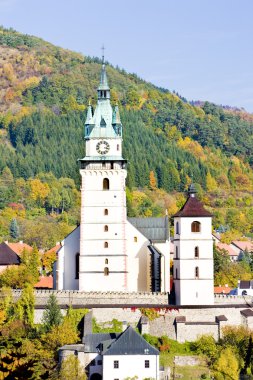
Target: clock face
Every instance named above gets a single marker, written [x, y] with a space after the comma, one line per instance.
[102, 147]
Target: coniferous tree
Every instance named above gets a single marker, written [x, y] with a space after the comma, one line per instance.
[14, 229]
[52, 315]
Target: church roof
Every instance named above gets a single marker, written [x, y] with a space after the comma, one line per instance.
[154, 229]
[8, 256]
[131, 343]
[193, 207]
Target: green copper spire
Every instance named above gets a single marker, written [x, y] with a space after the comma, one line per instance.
[89, 117]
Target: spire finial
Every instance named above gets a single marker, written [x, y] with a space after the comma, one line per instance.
[103, 53]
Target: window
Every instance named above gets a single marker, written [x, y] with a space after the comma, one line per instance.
[115, 364]
[196, 252]
[176, 252]
[106, 184]
[99, 362]
[106, 228]
[77, 265]
[197, 272]
[176, 272]
[93, 362]
[146, 363]
[106, 244]
[195, 227]
[135, 239]
[106, 271]
[106, 261]
[177, 228]
[106, 211]
[117, 146]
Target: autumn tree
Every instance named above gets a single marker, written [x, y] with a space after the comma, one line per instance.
[71, 368]
[152, 180]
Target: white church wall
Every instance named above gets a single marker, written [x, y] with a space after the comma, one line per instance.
[130, 366]
[138, 260]
[67, 261]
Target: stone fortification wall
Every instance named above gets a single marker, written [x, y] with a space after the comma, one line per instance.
[227, 299]
[66, 298]
[178, 322]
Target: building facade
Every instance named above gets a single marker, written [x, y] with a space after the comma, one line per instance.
[193, 253]
[107, 252]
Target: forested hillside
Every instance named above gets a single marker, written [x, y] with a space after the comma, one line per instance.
[168, 142]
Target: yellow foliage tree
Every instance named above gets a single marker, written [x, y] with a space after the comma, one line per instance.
[152, 180]
[39, 191]
[211, 184]
[71, 369]
[227, 366]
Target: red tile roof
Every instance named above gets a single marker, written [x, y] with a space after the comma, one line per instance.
[227, 248]
[222, 289]
[54, 249]
[19, 247]
[45, 283]
[244, 245]
[193, 207]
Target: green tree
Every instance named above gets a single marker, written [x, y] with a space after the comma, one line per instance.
[14, 229]
[52, 315]
[24, 308]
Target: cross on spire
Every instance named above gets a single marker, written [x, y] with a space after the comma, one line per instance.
[103, 53]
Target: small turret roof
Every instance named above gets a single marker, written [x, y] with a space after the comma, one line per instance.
[193, 207]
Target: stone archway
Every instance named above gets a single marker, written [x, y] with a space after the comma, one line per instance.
[96, 376]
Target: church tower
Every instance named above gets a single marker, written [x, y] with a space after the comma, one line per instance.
[103, 253]
[193, 253]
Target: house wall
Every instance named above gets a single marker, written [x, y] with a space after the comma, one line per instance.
[130, 366]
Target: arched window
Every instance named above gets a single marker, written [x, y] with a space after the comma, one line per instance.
[176, 252]
[197, 272]
[106, 261]
[177, 228]
[77, 266]
[106, 228]
[106, 245]
[106, 271]
[117, 146]
[195, 227]
[135, 239]
[196, 252]
[106, 211]
[106, 184]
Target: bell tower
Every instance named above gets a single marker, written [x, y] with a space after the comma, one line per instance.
[103, 254]
[193, 253]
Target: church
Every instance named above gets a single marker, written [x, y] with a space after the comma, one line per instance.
[108, 251]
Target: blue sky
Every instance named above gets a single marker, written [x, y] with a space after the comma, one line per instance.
[199, 48]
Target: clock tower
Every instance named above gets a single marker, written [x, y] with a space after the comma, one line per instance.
[103, 258]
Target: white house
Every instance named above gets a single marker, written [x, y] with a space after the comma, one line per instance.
[115, 356]
[193, 253]
[108, 251]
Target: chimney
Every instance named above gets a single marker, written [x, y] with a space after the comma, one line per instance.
[6, 242]
[20, 241]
